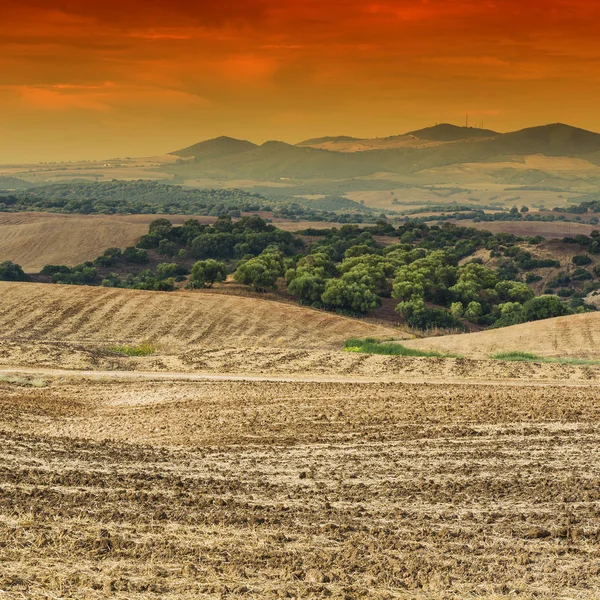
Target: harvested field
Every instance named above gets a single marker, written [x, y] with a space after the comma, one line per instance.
[37, 239]
[174, 321]
[554, 230]
[573, 336]
[148, 489]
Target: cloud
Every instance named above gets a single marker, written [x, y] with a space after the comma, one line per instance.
[102, 98]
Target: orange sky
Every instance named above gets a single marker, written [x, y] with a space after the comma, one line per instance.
[86, 79]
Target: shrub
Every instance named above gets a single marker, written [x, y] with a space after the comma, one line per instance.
[135, 255]
[54, 269]
[565, 292]
[109, 257]
[166, 270]
[581, 260]
[581, 274]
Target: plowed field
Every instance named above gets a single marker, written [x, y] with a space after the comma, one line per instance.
[150, 489]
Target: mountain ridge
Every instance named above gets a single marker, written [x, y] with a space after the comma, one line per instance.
[230, 158]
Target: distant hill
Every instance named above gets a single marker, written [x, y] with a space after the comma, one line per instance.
[557, 139]
[344, 157]
[13, 183]
[445, 132]
[221, 146]
[327, 140]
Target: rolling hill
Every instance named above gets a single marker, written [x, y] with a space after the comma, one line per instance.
[344, 157]
[446, 132]
[218, 147]
[37, 239]
[572, 336]
[180, 320]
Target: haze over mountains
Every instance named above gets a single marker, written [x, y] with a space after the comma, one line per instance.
[345, 157]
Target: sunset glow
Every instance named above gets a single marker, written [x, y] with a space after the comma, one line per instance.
[97, 79]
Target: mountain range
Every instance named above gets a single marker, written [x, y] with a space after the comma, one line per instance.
[345, 157]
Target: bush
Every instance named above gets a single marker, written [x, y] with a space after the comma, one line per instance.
[581, 274]
[10, 271]
[532, 278]
[109, 257]
[544, 307]
[206, 272]
[581, 260]
[565, 292]
[166, 270]
[135, 255]
[54, 269]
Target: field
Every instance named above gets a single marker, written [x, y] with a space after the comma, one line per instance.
[249, 457]
[555, 230]
[37, 239]
[34, 240]
[576, 336]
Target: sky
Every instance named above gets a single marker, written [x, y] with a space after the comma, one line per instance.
[97, 79]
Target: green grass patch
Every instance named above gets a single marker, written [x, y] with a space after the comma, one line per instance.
[517, 357]
[527, 357]
[372, 346]
[23, 381]
[144, 349]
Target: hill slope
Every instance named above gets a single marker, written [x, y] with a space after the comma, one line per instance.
[572, 336]
[438, 146]
[221, 146]
[37, 239]
[446, 132]
[183, 320]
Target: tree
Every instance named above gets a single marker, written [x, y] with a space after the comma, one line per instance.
[474, 312]
[206, 272]
[544, 307]
[257, 274]
[10, 271]
[167, 248]
[160, 227]
[457, 310]
[169, 270]
[350, 296]
[418, 315]
[309, 288]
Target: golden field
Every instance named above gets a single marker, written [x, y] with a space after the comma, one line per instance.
[249, 457]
